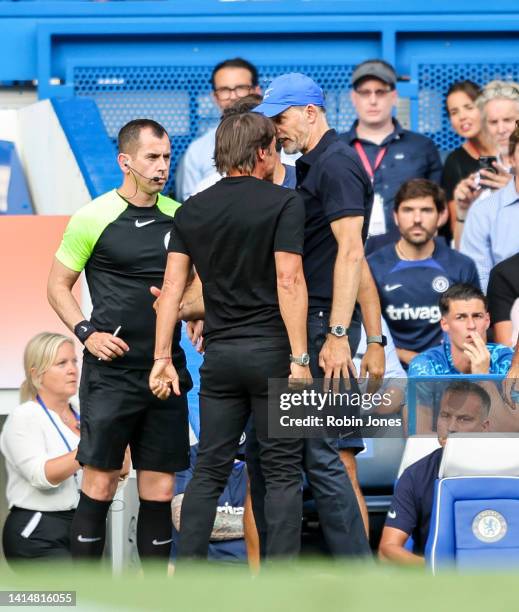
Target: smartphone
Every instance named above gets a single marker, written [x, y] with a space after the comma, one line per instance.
[486, 163]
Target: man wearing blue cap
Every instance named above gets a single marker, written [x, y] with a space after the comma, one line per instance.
[338, 197]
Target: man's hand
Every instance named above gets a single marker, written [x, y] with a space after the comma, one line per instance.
[163, 379]
[105, 346]
[194, 331]
[155, 292]
[300, 376]
[335, 359]
[478, 354]
[465, 192]
[373, 364]
[493, 180]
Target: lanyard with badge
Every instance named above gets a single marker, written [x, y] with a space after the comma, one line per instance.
[62, 435]
[377, 222]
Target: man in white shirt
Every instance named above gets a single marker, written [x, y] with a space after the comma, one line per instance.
[230, 80]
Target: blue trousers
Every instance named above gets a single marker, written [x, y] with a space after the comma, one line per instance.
[339, 513]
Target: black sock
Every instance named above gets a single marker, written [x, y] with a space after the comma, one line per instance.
[88, 530]
[154, 528]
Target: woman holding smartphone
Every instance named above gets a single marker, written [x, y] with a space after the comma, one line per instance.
[498, 103]
[466, 121]
[465, 118]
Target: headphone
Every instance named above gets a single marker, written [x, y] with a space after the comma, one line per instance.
[156, 179]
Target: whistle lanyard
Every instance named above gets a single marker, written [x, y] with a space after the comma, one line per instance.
[46, 410]
[365, 161]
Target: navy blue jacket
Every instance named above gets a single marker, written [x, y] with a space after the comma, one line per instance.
[409, 155]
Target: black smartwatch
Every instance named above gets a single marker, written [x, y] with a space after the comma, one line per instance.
[382, 340]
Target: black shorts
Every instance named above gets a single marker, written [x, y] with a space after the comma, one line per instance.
[118, 408]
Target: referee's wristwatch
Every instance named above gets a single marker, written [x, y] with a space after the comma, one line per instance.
[302, 360]
[382, 340]
[338, 330]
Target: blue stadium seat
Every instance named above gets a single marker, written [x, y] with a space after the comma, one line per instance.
[475, 524]
[475, 518]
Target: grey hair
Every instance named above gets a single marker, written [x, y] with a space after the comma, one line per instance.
[504, 90]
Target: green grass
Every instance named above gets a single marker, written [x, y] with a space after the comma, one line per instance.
[315, 586]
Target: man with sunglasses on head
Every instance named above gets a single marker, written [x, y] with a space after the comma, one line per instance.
[390, 154]
[230, 80]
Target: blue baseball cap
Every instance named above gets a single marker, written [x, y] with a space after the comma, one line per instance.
[293, 89]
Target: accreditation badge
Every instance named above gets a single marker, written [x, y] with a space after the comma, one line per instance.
[377, 221]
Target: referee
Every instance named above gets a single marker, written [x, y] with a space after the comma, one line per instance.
[120, 240]
[245, 237]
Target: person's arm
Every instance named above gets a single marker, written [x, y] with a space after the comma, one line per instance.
[335, 357]
[475, 241]
[503, 333]
[163, 377]
[60, 468]
[59, 293]
[192, 303]
[23, 444]
[495, 180]
[391, 548]
[406, 355]
[401, 521]
[373, 362]
[293, 305]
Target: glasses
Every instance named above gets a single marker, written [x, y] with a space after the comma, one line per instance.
[225, 93]
[378, 93]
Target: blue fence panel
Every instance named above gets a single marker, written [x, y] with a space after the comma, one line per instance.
[179, 97]
[154, 58]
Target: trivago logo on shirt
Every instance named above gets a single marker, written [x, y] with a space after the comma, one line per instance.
[413, 313]
[410, 291]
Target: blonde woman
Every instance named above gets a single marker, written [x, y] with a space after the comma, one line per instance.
[39, 442]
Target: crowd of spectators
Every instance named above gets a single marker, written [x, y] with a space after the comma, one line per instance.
[443, 252]
[442, 249]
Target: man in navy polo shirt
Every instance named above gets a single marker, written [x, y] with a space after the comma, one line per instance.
[390, 154]
[413, 273]
[338, 196]
[464, 408]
